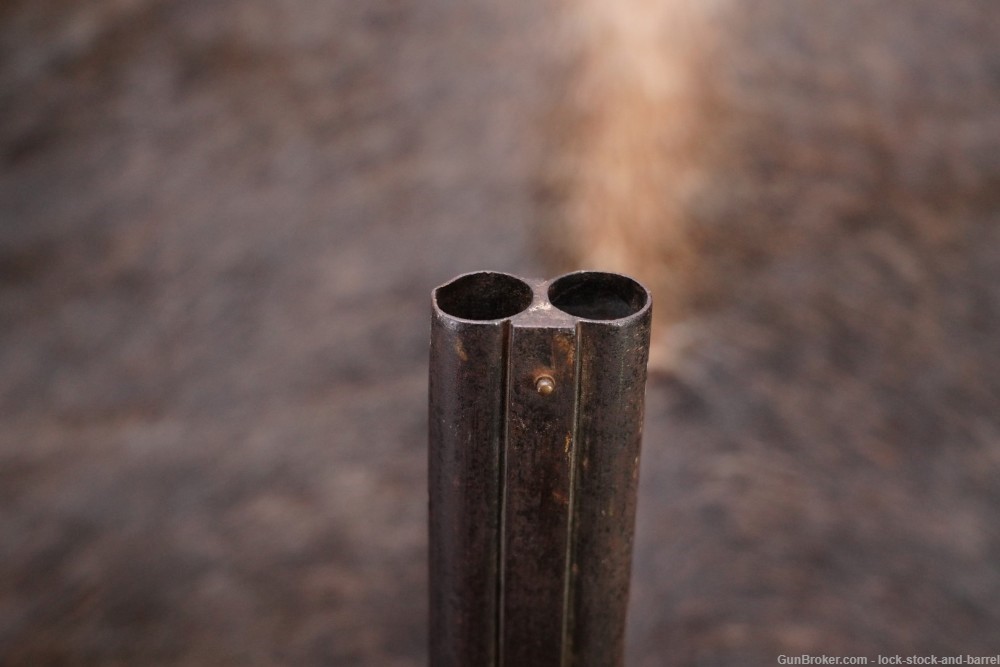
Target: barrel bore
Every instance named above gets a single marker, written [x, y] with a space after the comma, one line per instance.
[486, 295]
[596, 295]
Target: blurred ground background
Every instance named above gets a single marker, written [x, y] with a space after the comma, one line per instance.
[219, 226]
[221, 223]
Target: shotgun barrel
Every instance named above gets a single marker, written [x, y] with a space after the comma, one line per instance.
[536, 407]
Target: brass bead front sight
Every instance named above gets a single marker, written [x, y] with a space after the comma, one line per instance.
[545, 385]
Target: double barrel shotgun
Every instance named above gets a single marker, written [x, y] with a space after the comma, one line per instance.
[536, 407]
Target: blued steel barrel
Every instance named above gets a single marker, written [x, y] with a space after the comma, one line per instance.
[536, 407]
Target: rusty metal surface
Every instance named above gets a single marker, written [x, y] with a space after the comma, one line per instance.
[536, 399]
[464, 470]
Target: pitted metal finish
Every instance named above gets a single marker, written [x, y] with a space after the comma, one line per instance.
[536, 399]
